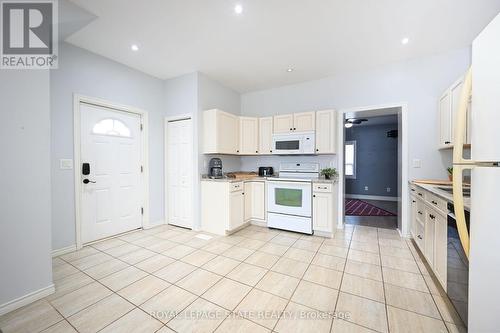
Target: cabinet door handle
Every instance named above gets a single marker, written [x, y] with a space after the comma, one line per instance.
[291, 129]
[419, 237]
[257, 151]
[413, 190]
[242, 193]
[420, 212]
[317, 149]
[314, 195]
[420, 194]
[270, 151]
[434, 202]
[432, 217]
[413, 201]
[447, 142]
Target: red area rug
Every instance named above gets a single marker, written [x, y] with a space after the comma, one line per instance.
[355, 207]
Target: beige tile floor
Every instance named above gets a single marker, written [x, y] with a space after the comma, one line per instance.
[257, 280]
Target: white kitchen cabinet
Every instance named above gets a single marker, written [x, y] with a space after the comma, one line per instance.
[323, 208]
[430, 226]
[237, 209]
[222, 206]
[283, 123]
[326, 132]
[445, 120]
[304, 121]
[265, 135]
[440, 248]
[220, 132]
[249, 136]
[413, 216]
[448, 106]
[296, 122]
[255, 201]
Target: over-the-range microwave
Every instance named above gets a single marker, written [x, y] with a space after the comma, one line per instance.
[302, 143]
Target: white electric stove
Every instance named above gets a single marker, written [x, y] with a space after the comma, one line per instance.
[289, 197]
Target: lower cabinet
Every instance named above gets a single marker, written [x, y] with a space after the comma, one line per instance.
[222, 206]
[323, 207]
[429, 226]
[255, 201]
[441, 249]
[429, 229]
[237, 209]
[226, 206]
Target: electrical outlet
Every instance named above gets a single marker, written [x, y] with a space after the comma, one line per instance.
[366, 188]
[388, 189]
[416, 163]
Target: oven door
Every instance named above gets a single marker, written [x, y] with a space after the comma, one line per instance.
[287, 144]
[289, 197]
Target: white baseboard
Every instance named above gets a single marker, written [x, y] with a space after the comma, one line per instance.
[371, 197]
[323, 234]
[26, 299]
[64, 250]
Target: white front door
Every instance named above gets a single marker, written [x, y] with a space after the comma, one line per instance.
[112, 191]
[180, 172]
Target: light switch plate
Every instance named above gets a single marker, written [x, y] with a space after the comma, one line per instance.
[65, 164]
[416, 163]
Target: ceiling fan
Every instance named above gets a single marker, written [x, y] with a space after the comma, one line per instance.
[354, 121]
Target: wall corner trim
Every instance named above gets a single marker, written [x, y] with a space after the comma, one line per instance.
[26, 299]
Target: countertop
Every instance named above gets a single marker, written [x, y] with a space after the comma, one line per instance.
[226, 179]
[434, 189]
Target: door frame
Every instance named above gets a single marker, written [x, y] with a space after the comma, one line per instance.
[77, 100]
[403, 187]
[194, 158]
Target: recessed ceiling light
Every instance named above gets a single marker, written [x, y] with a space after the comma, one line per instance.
[134, 47]
[405, 41]
[289, 70]
[348, 125]
[238, 9]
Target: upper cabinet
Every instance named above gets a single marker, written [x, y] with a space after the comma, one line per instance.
[266, 135]
[296, 122]
[249, 136]
[448, 106]
[226, 133]
[326, 134]
[220, 132]
[283, 123]
[304, 121]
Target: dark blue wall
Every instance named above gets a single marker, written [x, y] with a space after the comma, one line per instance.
[376, 158]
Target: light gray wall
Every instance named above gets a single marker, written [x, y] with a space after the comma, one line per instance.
[376, 160]
[25, 237]
[82, 72]
[418, 82]
[213, 95]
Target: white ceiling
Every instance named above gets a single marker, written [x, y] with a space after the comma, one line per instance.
[252, 51]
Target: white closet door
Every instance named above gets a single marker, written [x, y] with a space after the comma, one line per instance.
[180, 173]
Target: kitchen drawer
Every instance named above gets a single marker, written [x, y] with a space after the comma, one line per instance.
[437, 203]
[421, 193]
[236, 187]
[322, 188]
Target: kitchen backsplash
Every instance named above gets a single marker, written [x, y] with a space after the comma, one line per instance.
[252, 163]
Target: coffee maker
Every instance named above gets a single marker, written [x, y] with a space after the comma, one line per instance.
[215, 168]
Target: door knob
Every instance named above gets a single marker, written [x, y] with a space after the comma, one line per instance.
[86, 181]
